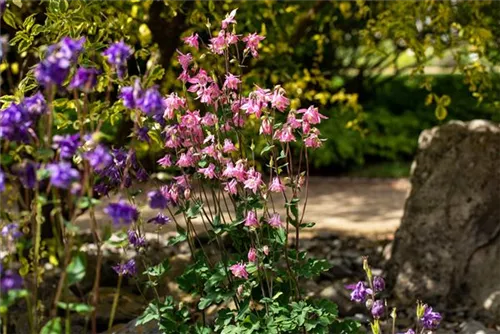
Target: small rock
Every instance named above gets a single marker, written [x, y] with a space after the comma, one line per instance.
[475, 327]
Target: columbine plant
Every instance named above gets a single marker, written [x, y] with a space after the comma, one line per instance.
[218, 182]
[369, 293]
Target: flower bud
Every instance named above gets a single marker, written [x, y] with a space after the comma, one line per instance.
[265, 249]
[378, 284]
[369, 303]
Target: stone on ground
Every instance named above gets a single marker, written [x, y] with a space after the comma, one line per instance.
[447, 248]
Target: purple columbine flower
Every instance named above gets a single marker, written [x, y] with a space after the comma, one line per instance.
[378, 284]
[62, 175]
[10, 280]
[409, 331]
[27, 174]
[101, 189]
[141, 174]
[67, 145]
[2, 181]
[11, 231]
[430, 320]
[378, 309]
[132, 95]
[122, 213]
[135, 239]
[54, 68]
[3, 6]
[35, 105]
[99, 158]
[360, 292]
[157, 200]
[117, 55]
[142, 134]
[152, 102]
[126, 269]
[160, 219]
[15, 123]
[85, 79]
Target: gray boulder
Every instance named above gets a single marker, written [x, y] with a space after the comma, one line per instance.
[447, 249]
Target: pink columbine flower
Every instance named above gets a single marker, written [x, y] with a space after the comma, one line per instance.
[192, 40]
[182, 181]
[252, 106]
[229, 170]
[166, 161]
[218, 44]
[239, 172]
[172, 103]
[285, 135]
[184, 60]
[311, 115]
[208, 172]
[275, 220]
[252, 255]
[266, 126]
[265, 250]
[231, 38]
[210, 150]
[262, 95]
[253, 181]
[186, 160]
[239, 270]
[276, 186]
[173, 193]
[313, 140]
[229, 19]
[252, 45]
[251, 219]
[279, 101]
[231, 187]
[306, 127]
[231, 82]
[209, 119]
[228, 146]
[184, 76]
[238, 120]
[191, 119]
[209, 139]
[293, 121]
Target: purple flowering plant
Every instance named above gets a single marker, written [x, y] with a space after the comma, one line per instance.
[369, 293]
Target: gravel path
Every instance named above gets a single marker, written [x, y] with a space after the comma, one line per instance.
[356, 207]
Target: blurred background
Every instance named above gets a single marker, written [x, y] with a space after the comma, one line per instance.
[381, 71]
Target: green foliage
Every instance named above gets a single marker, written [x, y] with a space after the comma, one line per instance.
[395, 113]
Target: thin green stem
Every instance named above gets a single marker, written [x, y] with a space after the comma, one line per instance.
[115, 302]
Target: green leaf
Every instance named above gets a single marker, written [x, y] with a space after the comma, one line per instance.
[63, 5]
[76, 268]
[266, 149]
[307, 225]
[79, 308]
[158, 270]
[9, 18]
[281, 236]
[445, 100]
[54, 326]
[180, 237]
[194, 210]
[441, 112]
[204, 303]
